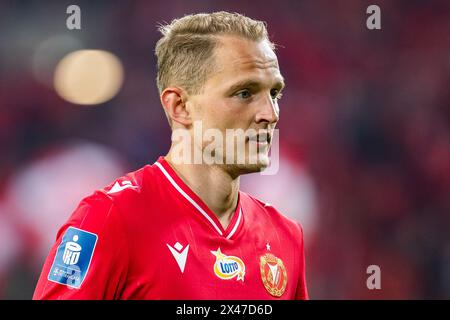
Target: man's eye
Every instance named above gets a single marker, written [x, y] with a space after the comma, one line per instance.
[244, 94]
[275, 94]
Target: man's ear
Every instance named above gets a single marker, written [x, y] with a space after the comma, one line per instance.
[173, 100]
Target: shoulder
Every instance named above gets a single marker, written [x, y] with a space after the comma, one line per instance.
[105, 205]
[276, 217]
[133, 188]
[132, 183]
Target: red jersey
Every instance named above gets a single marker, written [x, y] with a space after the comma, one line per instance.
[149, 236]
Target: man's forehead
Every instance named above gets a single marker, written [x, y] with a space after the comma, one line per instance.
[254, 63]
[236, 53]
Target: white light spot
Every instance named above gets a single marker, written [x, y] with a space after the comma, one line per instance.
[88, 77]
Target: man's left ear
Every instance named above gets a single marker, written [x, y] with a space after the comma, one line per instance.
[173, 100]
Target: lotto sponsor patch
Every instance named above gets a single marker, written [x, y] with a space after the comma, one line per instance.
[73, 257]
[227, 267]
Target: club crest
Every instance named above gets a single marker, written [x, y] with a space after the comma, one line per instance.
[273, 274]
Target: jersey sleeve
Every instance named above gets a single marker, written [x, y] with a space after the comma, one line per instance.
[89, 259]
[302, 290]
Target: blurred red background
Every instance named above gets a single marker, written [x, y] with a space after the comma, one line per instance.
[364, 133]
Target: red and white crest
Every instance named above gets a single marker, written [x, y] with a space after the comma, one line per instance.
[273, 274]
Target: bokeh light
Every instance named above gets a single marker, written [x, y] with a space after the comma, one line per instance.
[88, 77]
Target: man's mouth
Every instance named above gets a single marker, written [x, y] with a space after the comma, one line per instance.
[260, 138]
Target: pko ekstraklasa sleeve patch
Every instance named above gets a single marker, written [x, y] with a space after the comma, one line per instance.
[73, 257]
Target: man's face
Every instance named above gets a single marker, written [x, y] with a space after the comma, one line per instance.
[241, 95]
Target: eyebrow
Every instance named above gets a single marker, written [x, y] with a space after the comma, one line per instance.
[249, 83]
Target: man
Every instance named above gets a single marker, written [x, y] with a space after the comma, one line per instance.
[180, 228]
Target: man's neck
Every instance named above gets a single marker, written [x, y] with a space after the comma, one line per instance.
[218, 190]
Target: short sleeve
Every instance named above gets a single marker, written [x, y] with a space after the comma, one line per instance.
[89, 259]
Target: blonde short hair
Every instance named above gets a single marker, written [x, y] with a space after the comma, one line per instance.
[185, 52]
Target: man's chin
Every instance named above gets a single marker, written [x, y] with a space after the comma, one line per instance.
[252, 168]
[246, 168]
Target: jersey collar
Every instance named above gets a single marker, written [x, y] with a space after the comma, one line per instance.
[186, 192]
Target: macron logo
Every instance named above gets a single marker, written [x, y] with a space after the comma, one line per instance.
[117, 187]
[180, 256]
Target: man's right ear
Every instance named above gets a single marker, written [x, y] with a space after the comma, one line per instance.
[174, 103]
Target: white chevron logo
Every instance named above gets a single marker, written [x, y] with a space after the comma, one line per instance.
[180, 256]
[117, 187]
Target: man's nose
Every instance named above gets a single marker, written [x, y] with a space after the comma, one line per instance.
[268, 111]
